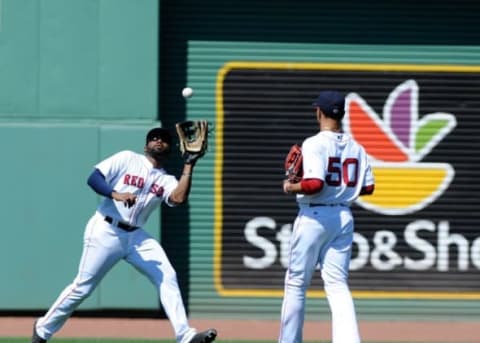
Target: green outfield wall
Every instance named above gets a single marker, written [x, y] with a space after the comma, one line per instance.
[78, 81]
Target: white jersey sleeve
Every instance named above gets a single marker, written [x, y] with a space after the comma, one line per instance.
[170, 184]
[369, 178]
[314, 159]
[113, 166]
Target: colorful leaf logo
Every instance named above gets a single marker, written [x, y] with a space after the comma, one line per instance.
[396, 144]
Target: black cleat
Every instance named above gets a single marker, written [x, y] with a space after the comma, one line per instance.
[35, 337]
[206, 336]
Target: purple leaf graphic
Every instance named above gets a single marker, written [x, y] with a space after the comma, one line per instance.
[401, 116]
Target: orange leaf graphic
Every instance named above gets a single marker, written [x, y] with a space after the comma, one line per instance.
[376, 142]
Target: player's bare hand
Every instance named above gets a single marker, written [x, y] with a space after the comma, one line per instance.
[128, 199]
[286, 187]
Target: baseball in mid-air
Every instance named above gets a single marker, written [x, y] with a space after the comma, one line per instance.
[187, 92]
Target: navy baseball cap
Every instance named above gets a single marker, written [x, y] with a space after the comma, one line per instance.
[332, 103]
[159, 132]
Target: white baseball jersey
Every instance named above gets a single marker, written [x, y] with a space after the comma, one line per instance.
[323, 233]
[128, 171]
[338, 160]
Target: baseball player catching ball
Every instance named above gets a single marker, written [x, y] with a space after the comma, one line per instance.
[133, 185]
[335, 172]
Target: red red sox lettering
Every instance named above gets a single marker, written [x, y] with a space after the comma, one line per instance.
[139, 182]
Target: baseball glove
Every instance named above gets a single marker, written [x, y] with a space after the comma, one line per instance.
[294, 164]
[193, 137]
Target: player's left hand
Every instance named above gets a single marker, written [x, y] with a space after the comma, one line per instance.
[293, 164]
[193, 139]
[287, 187]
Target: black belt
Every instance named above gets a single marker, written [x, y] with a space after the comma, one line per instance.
[121, 225]
[315, 205]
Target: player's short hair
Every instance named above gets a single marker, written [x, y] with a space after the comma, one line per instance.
[159, 132]
[331, 103]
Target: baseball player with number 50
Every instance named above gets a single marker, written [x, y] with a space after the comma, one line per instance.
[327, 174]
[133, 186]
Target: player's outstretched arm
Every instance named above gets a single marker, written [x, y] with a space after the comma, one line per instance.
[181, 192]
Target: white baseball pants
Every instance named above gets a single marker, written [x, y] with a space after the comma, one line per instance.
[104, 246]
[321, 236]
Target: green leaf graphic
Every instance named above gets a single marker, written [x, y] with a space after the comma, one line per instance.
[428, 131]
